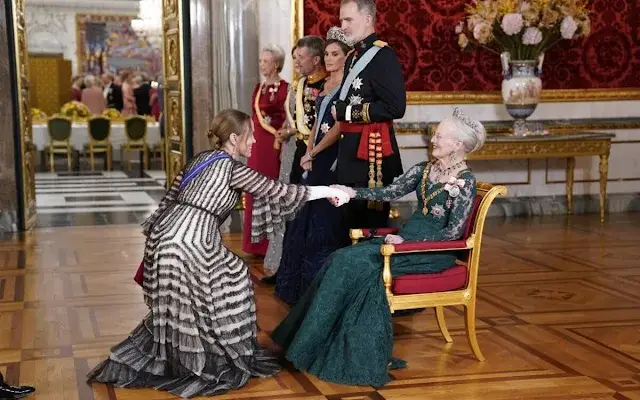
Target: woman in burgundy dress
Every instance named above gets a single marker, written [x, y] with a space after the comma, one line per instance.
[268, 116]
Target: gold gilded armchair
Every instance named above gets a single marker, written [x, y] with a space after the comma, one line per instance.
[454, 286]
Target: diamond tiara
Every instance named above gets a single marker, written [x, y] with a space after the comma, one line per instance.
[336, 33]
[470, 122]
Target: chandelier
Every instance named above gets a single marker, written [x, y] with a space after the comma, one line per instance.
[148, 25]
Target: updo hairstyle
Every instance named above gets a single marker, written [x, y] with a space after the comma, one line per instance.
[224, 124]
[470, 131]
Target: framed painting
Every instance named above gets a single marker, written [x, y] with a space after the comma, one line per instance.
[108, 43]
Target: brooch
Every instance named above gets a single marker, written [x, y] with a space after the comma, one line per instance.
[453, 186]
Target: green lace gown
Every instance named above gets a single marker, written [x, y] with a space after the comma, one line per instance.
[341, 330]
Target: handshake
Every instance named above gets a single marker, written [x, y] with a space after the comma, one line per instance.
[337, 195]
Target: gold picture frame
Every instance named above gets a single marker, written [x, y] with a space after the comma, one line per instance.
[493, 97]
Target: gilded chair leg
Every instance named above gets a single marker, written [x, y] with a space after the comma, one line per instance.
[442, 324]
[92, 160]
[51, 160]
[145, 160]
[69, 160]
[108, 158]
[470, 316]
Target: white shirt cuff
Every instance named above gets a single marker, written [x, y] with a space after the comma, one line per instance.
[347, 114]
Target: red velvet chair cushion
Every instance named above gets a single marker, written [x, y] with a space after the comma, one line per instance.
[450, 279]
[417, 246]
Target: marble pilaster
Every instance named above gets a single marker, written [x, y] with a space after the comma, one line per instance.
[224, 60]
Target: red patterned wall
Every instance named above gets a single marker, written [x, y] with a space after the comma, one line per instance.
[422, 33]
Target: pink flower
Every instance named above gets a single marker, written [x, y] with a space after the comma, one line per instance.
[532, 36]
[511, 23]
[568, 27]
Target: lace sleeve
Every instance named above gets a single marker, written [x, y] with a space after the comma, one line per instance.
[404, 184]
[274, 202]
[168, 198]
[458, 216]
[461, 210]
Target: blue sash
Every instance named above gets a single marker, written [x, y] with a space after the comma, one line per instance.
[323, 109]
[196, 170]
[361, 64]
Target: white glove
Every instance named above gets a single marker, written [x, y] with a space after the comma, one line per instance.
[325, 192]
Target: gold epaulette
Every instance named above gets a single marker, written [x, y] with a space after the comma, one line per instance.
[380, 43]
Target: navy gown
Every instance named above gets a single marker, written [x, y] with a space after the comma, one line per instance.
[318, 229]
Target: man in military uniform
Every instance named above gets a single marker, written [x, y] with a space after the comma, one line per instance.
[372, 95]
[310, 64]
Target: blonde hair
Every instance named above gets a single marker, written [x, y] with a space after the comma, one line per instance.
[224, 124]
[89, 81]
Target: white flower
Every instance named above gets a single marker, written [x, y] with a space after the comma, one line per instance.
[512, 23]
[568, 27]
[483, 33]
[459, 27]
[532, 36]
[453, 186]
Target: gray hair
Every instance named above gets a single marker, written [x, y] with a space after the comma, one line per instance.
[469, 130]
[278, 55]
[364, 6]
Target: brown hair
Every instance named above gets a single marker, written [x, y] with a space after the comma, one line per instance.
[224, 124]
[343, 46]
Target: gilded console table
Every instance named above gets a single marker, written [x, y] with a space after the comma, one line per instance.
[555, 145]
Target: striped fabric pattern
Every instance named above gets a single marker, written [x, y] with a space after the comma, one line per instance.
[200, 335]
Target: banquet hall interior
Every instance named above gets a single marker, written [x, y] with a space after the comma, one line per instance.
[103, 102]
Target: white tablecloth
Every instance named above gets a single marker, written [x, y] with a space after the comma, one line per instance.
[80, 135]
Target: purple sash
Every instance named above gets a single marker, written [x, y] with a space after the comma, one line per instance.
[195, 171]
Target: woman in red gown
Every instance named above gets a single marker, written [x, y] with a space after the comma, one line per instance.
[268, 116]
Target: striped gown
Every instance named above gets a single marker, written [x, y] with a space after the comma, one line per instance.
[200, 335]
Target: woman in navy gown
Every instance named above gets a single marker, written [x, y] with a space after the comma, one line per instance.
[317, 231]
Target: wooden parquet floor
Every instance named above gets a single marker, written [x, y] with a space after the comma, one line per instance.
[558, 317]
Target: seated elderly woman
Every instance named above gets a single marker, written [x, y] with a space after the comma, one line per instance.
[341, 330]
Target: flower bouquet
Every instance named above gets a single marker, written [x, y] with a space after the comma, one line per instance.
[75, 110]
[113, 114]
[521, 31]
[38, 116]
